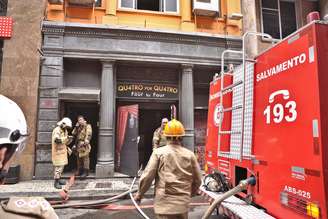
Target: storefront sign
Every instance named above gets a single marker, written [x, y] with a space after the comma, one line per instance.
[147, 91]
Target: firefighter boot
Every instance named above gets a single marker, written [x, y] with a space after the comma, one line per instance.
[85, 173]
[62, 182]
[79, 172]
[57, 185]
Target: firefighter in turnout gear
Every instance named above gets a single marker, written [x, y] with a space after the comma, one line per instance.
[13, 135]
[159, 139]
[60, 141]
[177, 175]
[83, 135]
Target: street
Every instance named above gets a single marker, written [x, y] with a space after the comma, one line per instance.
[125, 209]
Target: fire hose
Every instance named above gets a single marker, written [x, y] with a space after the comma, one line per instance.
[134, 202]
[108, 200]
[240, 187]
[95, 203]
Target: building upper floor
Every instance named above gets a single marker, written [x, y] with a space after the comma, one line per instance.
[210, 16]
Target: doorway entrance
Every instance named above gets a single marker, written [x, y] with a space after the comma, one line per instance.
[136, 124]
[149, 121]
[90, 111]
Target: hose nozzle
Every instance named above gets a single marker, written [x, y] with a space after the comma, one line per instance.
[249, 181]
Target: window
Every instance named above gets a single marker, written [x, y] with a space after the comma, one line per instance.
[278, 17]
[148, 5]
[98, 3]
[128, 3]
[152, 5]
[3, 7]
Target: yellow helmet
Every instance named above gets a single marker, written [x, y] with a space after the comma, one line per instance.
[174, 128]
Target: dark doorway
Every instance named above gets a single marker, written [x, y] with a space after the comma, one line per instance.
[149, 121]
[91, 113]
[126, 150]
[149, 118]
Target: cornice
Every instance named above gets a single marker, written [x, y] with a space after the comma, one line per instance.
[125, 33]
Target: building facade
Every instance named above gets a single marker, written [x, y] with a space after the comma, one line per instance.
[20, 63]
[279, 18]
[123, 64]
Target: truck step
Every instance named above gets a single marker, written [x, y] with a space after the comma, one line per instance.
[234, 207]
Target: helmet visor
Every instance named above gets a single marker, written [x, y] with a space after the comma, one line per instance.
[8, 136]
[4, 135]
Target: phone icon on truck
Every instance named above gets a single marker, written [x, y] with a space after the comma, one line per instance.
[284, 93]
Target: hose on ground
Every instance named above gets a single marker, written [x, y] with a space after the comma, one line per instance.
[97, 202]
[240, 187]
[105, 201]
[135, 203]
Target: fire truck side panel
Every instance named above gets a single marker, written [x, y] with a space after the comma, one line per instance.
[286, 123]
[213, 123]
[290, 127]
[322, 49]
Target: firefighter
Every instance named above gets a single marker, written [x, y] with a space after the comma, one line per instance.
[83, 134]
[176, 172]
[60, 141]
[13, 135]
[159, 140]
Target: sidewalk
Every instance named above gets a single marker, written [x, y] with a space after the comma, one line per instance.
[82, 189]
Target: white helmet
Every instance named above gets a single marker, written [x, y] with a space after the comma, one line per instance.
[13, 133]
[13, 127]
[67, 121]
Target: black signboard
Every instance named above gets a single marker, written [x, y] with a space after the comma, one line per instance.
[147, 90]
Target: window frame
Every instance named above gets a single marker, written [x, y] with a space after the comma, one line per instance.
[279, 16]
[162, 7]
[174, 12]
[120, 5]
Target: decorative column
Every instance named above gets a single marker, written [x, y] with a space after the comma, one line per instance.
[187, 105]
[111, 7]
[105, 161]
[186, 12]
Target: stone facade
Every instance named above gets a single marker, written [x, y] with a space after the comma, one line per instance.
[111, 45]
[251, 11]
[20, 69]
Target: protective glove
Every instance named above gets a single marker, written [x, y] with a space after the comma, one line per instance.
[137, 197]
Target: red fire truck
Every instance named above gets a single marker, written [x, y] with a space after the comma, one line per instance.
[268, 118]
